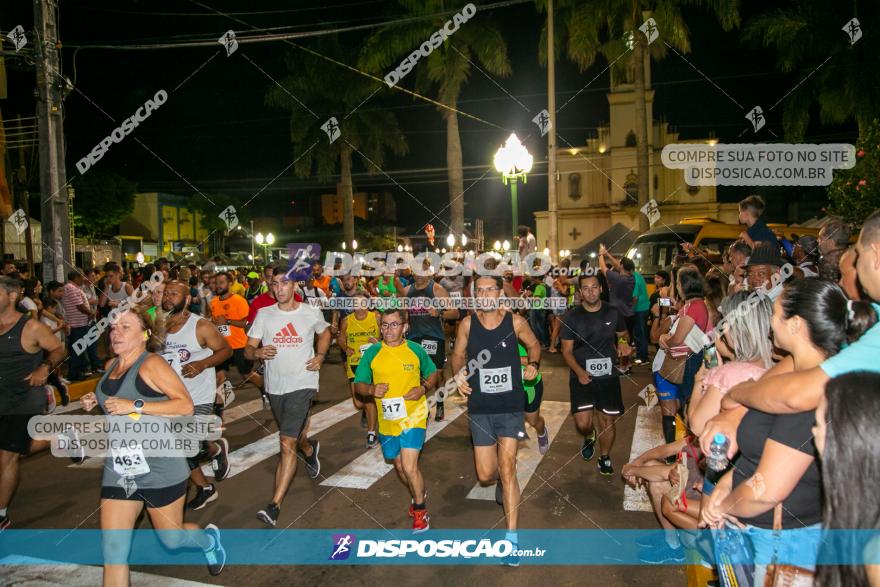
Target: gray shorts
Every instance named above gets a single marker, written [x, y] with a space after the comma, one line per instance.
[291, 410]
[486, 428]
[200, 410]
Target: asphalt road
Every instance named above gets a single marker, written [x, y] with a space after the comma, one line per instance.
[563, 493]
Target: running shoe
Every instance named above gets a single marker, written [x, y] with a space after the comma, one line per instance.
[499, 493]
[662, 554]
[512, 559]
[440, 414]
[266, 405]
[269, 515]
[421, 521]
[544, 442]
[313, 465]
[220, 461]
[372, 440]
[604, 464]
[50, 399]
[228, 396]
[216, 555]
[62, 391]
[4, 522]
[589, 447]
[204, 496]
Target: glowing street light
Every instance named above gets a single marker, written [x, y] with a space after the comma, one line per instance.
[343, 245]
[464, 240]
[354, 245]
[505, 245]
[450, 240]
[497, 245]
[259, 238]
[513, 162]
[399, 248]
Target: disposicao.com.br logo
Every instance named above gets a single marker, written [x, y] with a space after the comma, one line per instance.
[344, 545]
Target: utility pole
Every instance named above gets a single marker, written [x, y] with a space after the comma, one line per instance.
[20, 185]
[552, 219]
[56, 234]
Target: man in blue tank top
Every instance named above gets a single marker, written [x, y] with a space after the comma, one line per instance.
[495, 392]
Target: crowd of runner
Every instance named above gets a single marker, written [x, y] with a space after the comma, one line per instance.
[744, 353]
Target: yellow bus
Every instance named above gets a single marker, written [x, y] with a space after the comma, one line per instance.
[655, 249]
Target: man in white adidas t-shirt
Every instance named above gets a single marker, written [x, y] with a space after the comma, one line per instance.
[288, 331]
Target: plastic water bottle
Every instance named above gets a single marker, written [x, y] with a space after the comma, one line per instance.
[716, 462]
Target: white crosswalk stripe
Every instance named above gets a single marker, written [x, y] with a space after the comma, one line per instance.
[648, 433]
[368, 468]
[256, 452]
[528, 457]
[34, 572]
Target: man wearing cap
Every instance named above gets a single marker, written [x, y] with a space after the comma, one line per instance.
[763, 264]
[805, 254]
[254, 286]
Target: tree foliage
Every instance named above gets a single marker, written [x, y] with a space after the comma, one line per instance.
[855, 193]
[102, 199]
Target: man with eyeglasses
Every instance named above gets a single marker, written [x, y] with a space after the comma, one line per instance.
[495, 391]
[289, 332]
[594, 338]
[398, 373]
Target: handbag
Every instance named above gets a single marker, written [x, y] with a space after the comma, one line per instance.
[672, 369]
[786, 575]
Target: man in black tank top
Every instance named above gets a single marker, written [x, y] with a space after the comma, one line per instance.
[23, 374]
[495, 392]
[593, 337]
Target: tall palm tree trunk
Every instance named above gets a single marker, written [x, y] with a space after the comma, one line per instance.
[347, 194]
[641, 130]
[456, 174]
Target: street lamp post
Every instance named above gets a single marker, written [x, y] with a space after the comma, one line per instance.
[253, 251]
[513, 162]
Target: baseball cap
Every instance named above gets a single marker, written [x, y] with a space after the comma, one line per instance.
[253, 275]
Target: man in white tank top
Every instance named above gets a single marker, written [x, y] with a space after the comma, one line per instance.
[193, 347]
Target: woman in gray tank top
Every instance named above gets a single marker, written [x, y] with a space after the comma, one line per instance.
[140, 387]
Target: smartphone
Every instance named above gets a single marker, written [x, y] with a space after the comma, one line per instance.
[710, 357]
[665, 302]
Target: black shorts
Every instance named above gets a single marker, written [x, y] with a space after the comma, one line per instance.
[487, 428]
[152, 498]
[14, 435]
[243, 365]
[535, 404]
[600, 394]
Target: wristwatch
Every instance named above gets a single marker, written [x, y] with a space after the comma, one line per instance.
[139, 406]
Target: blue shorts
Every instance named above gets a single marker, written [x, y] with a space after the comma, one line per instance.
[665, 389]
[413, 438]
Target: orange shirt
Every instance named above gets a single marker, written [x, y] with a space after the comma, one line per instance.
[234, 307]
[323, 282]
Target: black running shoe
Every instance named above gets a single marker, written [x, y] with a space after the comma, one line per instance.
[589, 447]
[220, 461]
[313, 465]
[269, 515]
[204, 496]
[216, 556]
[372, 440]
[440, 414]
[604, 464]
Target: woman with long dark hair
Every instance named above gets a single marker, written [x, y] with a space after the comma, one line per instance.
[777, 466]
[847, 438]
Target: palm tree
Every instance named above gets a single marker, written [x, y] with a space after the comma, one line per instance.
[837, 74]
[610, 28]
[313, 92]
[476, 43]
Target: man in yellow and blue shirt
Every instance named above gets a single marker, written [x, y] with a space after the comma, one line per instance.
[398, 373]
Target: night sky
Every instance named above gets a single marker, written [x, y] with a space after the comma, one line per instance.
[218, 136]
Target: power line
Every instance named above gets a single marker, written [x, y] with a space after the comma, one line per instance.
[252, 13]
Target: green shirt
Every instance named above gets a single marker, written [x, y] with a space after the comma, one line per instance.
[528, 384]
[640, 291]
